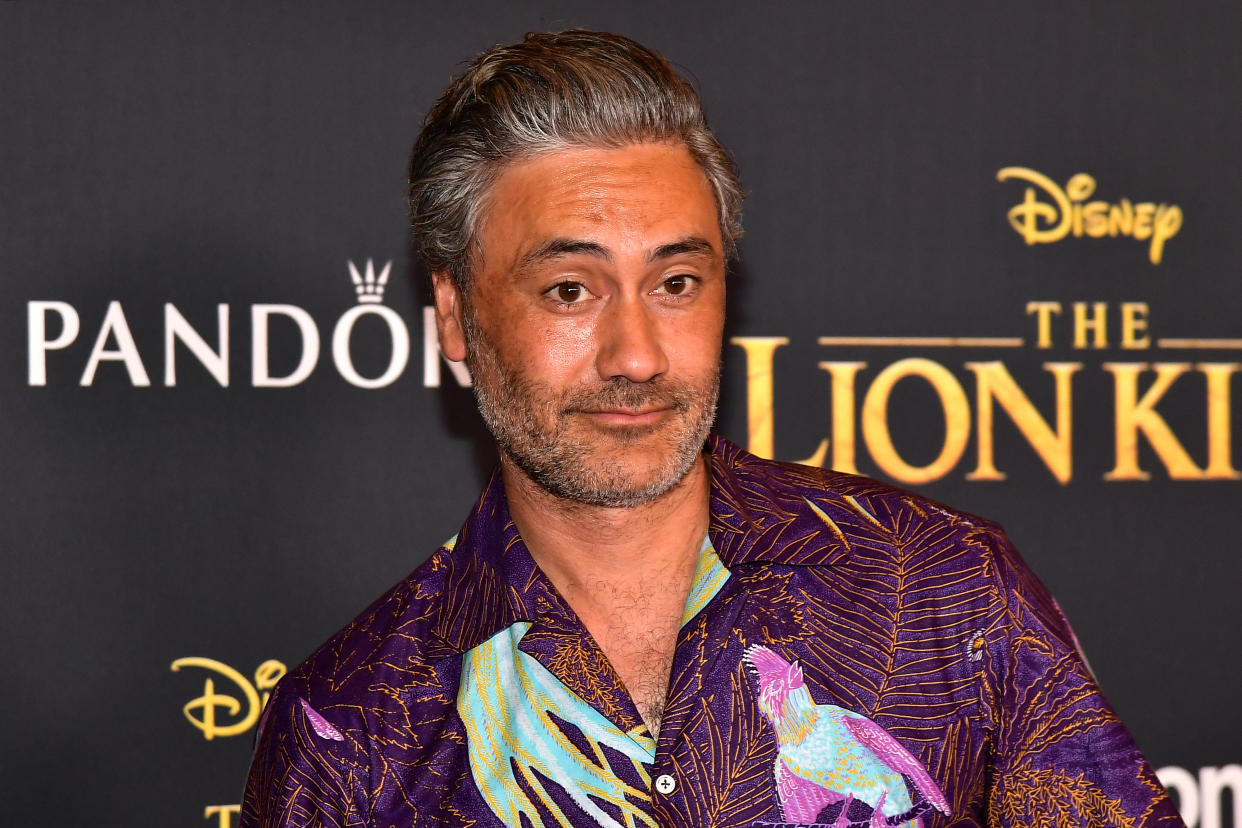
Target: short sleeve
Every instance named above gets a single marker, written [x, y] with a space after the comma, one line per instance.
[304, 772]
[1061, 756]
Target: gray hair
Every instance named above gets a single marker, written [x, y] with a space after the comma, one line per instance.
[551, 91]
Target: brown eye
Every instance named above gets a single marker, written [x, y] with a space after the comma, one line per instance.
[569, 292]
[676, 285]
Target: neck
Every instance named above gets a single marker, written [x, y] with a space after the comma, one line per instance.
[626, 572]
[588, 551]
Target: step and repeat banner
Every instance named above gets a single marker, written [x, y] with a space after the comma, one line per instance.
[991, 253]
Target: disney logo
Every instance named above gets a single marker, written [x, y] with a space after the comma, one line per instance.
[244, 711]
[1067, 211]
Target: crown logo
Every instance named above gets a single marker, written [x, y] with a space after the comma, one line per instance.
[368, 286]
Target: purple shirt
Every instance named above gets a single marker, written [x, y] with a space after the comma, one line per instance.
[851, 654]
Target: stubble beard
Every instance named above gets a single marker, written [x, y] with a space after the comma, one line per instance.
[543, 431]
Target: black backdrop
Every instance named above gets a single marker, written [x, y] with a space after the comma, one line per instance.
[225, 158]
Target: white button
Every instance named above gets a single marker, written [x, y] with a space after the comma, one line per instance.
[665, 784]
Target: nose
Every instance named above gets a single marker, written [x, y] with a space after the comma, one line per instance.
[628, 340]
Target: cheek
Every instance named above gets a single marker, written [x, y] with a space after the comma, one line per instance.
[522, 340]
[694, 344]
[557, 352]
[561, 354]
[567, 344]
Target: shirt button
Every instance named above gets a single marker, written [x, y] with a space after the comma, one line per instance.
[665, 784]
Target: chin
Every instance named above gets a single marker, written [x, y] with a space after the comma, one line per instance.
[614, 483]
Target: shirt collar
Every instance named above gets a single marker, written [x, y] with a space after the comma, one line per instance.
[763, 511]
[759, 514]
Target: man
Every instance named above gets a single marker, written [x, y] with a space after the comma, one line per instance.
[641, 624]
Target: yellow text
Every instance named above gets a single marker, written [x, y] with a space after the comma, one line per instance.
[223, 813]
[1067, 211]
[1090, 324]
[242, 713]
[1137, 389]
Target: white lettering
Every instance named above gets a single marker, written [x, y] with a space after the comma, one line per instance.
[1182, 782]
[1212, 783]
[1204, 797]
[260, 371]
[177, 328]
[126, 351]
[432, 355]
[400, 346]
[38, 343]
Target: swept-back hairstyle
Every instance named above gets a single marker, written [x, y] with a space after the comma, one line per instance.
[550, 91]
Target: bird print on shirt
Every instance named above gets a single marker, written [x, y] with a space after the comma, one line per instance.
[510, 704]
[833, 764]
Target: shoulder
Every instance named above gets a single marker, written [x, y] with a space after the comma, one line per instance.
[887, 534]
[780, 480]
[853, 514]
[366, 676]
[392, 643]
[376, 697]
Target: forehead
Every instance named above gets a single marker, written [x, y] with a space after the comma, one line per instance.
[627, 199]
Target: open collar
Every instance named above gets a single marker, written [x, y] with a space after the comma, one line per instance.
[760, 514]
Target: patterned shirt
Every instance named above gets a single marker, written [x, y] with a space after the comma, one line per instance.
[850, 655]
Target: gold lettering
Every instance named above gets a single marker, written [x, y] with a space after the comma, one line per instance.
[1121, 218]
[1079, 188]
[759, 426]
[817, 459]
[843, 374]
[210, 701]
[1095, 216]
[1025, 217]
[266, 676]
[1219, 414]
[1097, 323]
[223, 813]
[1133, 321]
[995, 382]
[1168, 222]
[875, 420]
[1134, 415]
[1043, 313]
[759, 415]
[1068, 211]
[1143, 215]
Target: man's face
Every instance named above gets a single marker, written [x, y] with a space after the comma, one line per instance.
[594, 319]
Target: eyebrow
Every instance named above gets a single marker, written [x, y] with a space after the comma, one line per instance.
[557, 247]
[691, 245]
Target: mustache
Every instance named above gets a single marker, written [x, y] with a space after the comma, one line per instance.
[621, 393]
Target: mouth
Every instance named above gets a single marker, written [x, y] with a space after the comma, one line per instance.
[626, 416]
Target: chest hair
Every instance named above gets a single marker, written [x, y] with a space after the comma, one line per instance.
[639, 638]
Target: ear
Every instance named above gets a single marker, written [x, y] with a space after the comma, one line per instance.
[450, 323]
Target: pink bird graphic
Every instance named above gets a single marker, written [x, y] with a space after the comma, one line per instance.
[836, 767]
